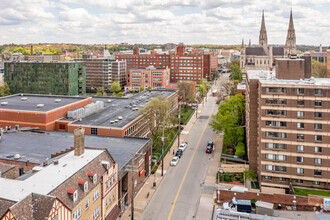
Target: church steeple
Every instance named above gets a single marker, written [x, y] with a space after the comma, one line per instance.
[242, 43]
[290, 44]
[263, 42]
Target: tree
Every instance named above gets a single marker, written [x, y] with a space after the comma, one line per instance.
[251, 175]
[120, 94]
[101, 92]
[157, 110]
[115, 87]
[319, 70]
[234, 62]
[4, 90]
[149, 88]
[187, 91]
[141, 89]
[236, 72]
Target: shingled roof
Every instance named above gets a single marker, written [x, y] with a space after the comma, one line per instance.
[278, 51]
[5, 205]
[257, 51]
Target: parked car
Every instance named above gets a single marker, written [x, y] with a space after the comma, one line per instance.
[183, 146]
[209, 147]
[174, 161]
[179, 153]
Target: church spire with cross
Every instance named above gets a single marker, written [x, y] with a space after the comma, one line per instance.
[263, 42]
[290, 44]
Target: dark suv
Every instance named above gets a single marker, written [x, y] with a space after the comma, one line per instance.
[179, 153]
[209, 147]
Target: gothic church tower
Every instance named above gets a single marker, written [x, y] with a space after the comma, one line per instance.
[290, 44]
[263, 42]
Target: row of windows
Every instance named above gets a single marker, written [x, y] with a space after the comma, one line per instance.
[284, 179]
[111, 198]
[299, 91]
[317, 103]
[269, 134]
[300, 125]
[283, 169]
[300, 148]
[300, 159]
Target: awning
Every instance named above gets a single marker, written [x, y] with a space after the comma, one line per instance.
[113, 215]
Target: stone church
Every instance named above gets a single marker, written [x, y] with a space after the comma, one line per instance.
[263, 57]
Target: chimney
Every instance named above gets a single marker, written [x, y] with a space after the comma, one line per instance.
[79, 141]
[136, 51]
[31, 49]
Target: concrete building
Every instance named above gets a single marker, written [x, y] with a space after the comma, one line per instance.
[78, 178]
[118, 71]
[287, 119]
[149, 77]
[114, 179]
[98, 115]
[264, 55]
[60, 78]
[183, 65]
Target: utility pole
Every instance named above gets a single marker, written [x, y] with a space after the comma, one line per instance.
[179, 125]
[163, 151]
[132, 196]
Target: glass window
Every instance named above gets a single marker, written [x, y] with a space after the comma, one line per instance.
[94, 131]
[275, 146]
[268, 177]
[300, 137]
[318, 149]
[300, 125]
[299, 181]
[300, 114]
[316, 182]
[318, 103]
[318, 114]
[318, 137]
[317, 161]
[300, 102]
[300, 147]
[300, 170]
[317, 126]
[281, 179]
[300, 91]
[300, 159]
[318, 91]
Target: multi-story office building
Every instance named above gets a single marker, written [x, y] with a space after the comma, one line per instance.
[287, 124]
[183, 65]
[101, 71]
[149, 77]
[60, 78]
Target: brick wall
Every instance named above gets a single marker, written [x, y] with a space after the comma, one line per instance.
[15, 173]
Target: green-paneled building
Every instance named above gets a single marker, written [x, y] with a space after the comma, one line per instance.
[58, 78]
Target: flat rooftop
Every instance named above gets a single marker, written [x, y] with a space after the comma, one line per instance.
[269, 77]
[37, 146]
[127, 108]
[29, 102]
[47, 178]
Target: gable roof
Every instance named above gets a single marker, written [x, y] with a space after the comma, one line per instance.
[257, 51]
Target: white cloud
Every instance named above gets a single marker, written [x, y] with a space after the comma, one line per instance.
[161, 21]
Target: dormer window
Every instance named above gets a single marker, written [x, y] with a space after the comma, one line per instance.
[92, 176]
[73, 193]
[84, 185]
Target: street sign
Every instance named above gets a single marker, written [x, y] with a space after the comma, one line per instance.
[141, 171]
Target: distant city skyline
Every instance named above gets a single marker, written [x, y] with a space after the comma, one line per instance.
[223, 22]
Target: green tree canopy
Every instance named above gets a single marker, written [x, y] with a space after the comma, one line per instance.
[4, 90]
[319, 70]
[101, 92]
[141, 89]
[236, 72]
[115, 87]
[120, 94]
[234, 62]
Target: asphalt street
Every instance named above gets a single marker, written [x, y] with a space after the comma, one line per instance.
[179, 193]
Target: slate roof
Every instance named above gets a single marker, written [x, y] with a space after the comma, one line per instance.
[278, 51]
[5, 205]
[262, 51]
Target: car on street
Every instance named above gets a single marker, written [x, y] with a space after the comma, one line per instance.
[179, 153]
[209, 147]
[183, 146]
[174, 161]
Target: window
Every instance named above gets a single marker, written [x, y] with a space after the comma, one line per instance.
[276, 134]
[300, 114]
[300, 125]
[275, 90]
[55, 217]
[76, 214]
[316, 182]
[275, 146]
[275, 157]
[318, 137]
[114, 195]
[96, 194]
[86, 187]
[300, 102]
[300, 137]
[95, 178]
[318, 126]
[75, 196]
[318, 114]
[281, 179]
[107, 202]
[300, 170]
[300, 91]
[275, 168]
[96, 213]
[300, 159]
[318, 91]
[317, 161]
[299, 181]
[267, 177]
[94, 131]
[276, 112]
[276, 101]
[318, 103]
[300, 147]
[276, 123]
[318, 149]
[87, 204]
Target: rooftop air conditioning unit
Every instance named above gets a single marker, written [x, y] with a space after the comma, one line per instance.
[109, 100]
[58, 100]
[40, 105]
[17, 156]
[24, 98]
[111, 122]
[4, 103]
[120, 117]
[116, 121]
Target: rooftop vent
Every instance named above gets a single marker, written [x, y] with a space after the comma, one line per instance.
[58, 100]
[17, 156]
[36, 169]
[40, 105]
[4, 103]
[111, 122]
[109, 100]
[23, 98]
[55, 162]
[120, 117]
[116, 121]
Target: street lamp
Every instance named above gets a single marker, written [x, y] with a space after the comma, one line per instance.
[219, 175]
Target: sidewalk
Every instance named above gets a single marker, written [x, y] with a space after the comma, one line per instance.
[147, 191]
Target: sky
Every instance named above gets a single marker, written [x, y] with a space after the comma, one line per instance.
[224, 22]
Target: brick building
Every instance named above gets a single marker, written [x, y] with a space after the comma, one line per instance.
[328, 61]
[183, 66]
[60, 78]
[148, 77]
[107, 161]
[287, 119]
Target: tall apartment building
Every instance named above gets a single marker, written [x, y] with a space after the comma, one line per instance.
[60, 78]
[183, 66]
[149, 77]
[101, 71]
[287, 121]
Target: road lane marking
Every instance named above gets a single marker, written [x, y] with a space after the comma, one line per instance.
[184, 177]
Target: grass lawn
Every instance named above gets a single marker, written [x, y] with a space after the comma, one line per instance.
[185, 112]
[306, 192]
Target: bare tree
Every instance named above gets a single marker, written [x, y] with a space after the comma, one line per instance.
[187, 91]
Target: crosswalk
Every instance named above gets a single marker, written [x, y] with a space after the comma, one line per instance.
[321, 216]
